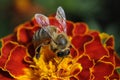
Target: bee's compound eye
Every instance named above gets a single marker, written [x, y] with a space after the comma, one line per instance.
[67, 52]
[63, 53]
[60, 54]
[61, 41]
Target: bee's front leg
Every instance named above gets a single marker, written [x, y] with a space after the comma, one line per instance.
[37, 51]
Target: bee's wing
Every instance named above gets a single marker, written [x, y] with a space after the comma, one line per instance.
[60, 16]
[43, 21]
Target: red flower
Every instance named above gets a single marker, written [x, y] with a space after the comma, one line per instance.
[92, 55]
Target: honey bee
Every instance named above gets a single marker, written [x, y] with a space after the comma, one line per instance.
[55, 36]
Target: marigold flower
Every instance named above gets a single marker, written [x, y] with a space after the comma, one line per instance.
[92, 55]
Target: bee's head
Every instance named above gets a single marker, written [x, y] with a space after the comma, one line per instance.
[63, 53]
[61, 45]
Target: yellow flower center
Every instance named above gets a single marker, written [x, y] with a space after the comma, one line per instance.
[51, 67]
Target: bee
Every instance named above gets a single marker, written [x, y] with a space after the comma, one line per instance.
[54, 36]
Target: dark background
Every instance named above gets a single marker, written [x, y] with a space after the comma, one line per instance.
[101, 15]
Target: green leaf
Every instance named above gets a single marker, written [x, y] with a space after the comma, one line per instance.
[118, 70]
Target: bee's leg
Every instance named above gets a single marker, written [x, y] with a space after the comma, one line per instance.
[61, 60]
[37, 52]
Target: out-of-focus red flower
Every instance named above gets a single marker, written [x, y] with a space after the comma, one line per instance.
[93, 56]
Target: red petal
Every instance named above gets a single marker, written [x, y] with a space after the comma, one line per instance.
[80, 28]
[115, 76]
[5, 53]
[111, 57]
[73, 52]
[102, 70]
[8, 38]
[24, 35]
[84, 75]
[110, 42]
[79, 42]
[70, 27]
[34, 29]
[95, 49]
[86, 64]
[16, 64]
[77, 70]
[34, 22]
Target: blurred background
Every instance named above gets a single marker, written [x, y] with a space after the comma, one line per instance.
[102, 15]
